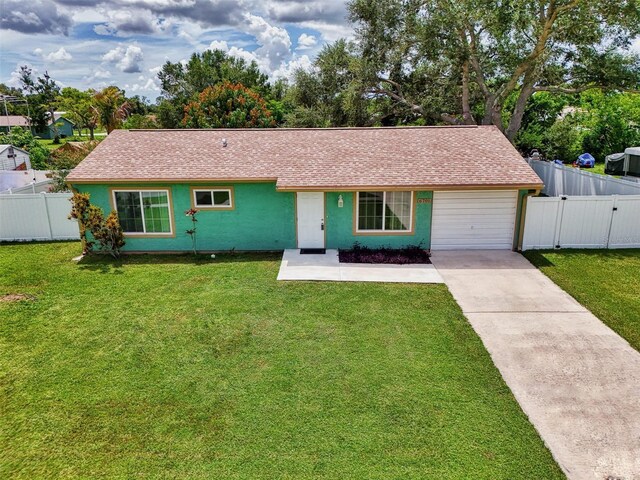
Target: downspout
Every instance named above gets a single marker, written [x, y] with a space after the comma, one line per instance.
[523, 216]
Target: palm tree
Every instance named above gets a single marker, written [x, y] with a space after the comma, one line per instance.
[111, 107]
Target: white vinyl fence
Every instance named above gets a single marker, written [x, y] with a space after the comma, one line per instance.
[561, 180]
[582, 222]
[40, 216]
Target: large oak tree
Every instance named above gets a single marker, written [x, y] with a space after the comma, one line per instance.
[480, 61]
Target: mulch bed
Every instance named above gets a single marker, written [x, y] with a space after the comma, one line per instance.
[397, 256]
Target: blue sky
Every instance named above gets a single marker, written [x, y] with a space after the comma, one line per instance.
[95, 43]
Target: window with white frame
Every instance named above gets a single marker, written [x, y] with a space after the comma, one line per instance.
[212, 198]
[384, 211]
[143, 211]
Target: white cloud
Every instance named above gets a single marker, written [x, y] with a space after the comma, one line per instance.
[14, 79]
[144, 84]
[248, 29]
[330, 32]
[125, 23]
[297, 11]
[61, 55]
[274, 42]
[99, 73]
[274, 54]
[97, 78]
[105, 29]
[237, 52]
[219, 45]
[287, 70]
[127, 60]
[305, 42]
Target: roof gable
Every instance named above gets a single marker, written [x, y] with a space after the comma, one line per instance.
[4, 147]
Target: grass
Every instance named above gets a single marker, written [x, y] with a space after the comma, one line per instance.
[607, 282]
[175, 367]
[48, 144]
[597, 168]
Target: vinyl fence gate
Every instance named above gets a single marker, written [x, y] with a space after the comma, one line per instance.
[609, 221]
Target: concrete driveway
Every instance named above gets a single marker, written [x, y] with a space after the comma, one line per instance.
[577, 380]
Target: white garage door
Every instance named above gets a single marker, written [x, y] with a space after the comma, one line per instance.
[473, 219]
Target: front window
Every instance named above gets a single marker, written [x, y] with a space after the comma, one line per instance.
[384, 211]
[212, 198]
[143, 211]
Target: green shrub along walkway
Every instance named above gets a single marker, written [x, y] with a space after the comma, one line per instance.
[170, 367]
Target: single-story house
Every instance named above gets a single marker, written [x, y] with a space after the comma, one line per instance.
[64, 125]
[14, 158]
[272, 189]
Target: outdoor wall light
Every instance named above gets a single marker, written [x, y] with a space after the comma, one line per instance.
[340, 201]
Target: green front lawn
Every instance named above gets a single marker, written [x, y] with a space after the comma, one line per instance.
[607, 282]
[169, 367]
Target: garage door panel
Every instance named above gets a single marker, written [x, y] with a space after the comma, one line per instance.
[477, 203]
[486, 219]
[487, 232]
[473, 219]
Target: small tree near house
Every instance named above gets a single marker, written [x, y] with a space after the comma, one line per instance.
[107, 232]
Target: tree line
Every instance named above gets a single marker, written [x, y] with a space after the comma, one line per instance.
[554, 75]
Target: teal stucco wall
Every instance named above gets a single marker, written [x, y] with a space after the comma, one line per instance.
[339, 224]
[262, 219]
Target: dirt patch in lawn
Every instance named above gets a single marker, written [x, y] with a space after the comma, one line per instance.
[15, 297]
[397, 256]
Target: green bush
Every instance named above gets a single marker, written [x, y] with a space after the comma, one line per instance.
[106, 231]
[22, 138]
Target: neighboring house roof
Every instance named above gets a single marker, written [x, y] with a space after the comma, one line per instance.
[60, 117]
[312, 159]
[13, 121]
[22, 121]
[3, 147]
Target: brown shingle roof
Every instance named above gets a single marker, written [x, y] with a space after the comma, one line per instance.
[334, 158]
[13, 121]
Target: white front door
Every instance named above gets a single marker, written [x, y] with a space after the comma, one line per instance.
[310, 212]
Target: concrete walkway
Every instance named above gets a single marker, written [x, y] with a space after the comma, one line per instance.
[577, 380]
[327, 267]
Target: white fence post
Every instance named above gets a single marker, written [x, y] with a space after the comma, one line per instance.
[46, 209]
[558, 224]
